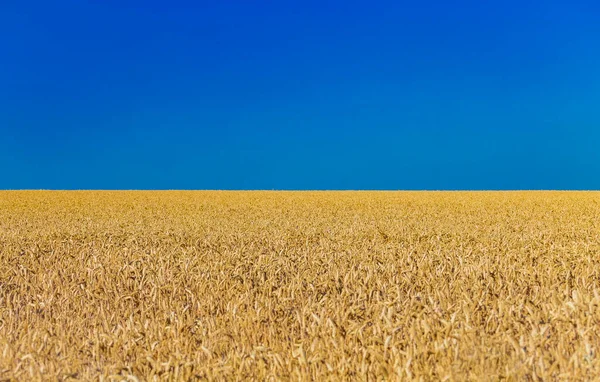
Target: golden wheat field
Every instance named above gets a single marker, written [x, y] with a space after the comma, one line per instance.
[195, 285]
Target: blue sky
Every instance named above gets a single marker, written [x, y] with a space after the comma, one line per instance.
[300, 95]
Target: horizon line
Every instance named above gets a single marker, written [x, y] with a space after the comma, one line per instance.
[304, 190]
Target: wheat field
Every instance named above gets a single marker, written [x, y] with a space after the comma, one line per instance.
[209, 285]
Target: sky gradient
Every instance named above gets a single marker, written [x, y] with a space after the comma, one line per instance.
[300, 95]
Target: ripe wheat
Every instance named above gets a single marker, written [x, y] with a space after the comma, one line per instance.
[299, 285]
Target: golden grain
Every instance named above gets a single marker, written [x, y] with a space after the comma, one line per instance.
[299, 285]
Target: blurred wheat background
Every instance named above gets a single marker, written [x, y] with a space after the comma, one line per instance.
[194, 285]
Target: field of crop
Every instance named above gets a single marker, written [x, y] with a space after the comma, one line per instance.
[180, 285]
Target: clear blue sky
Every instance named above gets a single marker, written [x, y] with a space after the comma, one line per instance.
[300, 95]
